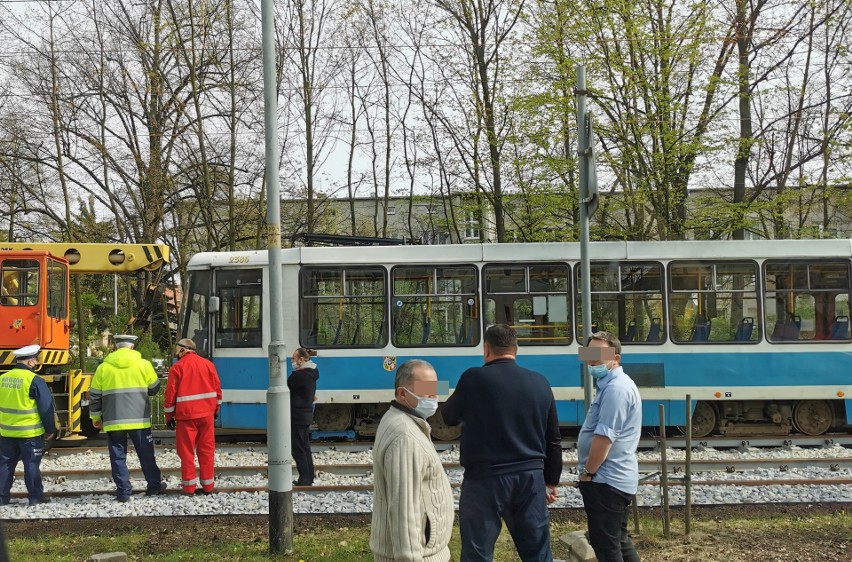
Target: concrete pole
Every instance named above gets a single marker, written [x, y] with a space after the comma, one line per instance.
[278, 395]
[585, 280]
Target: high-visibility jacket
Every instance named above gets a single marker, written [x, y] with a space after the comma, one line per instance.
[193, 390]
[19, 416]
[120, 390]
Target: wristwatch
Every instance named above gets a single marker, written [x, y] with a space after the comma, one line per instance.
[591, 475]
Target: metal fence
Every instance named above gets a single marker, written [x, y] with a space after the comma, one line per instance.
[158, 416]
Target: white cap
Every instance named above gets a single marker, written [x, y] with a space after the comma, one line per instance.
[125, 340]
[27, 352]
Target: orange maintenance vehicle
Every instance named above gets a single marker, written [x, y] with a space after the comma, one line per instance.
[35, 303]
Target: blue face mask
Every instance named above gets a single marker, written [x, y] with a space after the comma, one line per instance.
[598, 371]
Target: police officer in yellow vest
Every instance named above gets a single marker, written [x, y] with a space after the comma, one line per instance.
[26, 420]
[119, 402]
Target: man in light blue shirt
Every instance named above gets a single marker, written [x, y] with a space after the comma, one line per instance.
[609, 469]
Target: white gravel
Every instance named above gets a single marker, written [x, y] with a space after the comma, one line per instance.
[103, 504]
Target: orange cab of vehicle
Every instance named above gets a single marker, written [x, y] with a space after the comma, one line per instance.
[34, 299]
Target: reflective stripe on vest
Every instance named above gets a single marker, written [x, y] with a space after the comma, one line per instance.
[18, 412]
[196, 397]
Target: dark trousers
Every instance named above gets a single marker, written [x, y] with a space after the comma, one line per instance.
[519, 499]
[301, 442]
[143, 442]
[606, 513]
[29, 450]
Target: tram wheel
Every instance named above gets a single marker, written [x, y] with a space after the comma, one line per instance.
[704, 419]
[813, 417]
[441, 431]
[333, 417]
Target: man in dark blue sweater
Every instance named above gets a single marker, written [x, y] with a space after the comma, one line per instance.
[510, 451]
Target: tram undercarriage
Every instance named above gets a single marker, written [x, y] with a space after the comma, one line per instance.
[731, 418]
[763, 417]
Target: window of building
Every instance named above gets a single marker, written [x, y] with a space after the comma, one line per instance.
[471, 225]
[435, 306]
[343, 307]
[533, 299]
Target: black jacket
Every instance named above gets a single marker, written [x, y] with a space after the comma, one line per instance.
[303, 385]
[509, 421]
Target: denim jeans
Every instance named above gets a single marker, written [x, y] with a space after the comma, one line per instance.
[519, 499]
[606, 513]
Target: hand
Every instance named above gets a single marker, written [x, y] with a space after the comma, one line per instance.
[552, 494]
[215, 416]
[171, 424]
[97, 424]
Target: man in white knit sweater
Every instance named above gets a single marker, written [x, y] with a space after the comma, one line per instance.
[412, 499]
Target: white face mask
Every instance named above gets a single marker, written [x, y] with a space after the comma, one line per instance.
[426, 407]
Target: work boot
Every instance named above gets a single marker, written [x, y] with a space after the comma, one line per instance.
[157, 491]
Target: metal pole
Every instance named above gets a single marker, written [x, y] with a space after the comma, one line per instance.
[664, 473]
[687, 478]
[115, 294]
[585, 281]
[278, 395]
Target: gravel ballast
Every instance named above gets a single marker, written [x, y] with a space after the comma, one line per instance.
[103, 505]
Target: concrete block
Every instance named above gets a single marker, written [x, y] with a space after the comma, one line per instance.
[109, 557]
[581, 550]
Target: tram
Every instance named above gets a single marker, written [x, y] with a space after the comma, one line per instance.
[756, 332]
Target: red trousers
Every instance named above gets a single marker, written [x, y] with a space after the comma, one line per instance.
[191, 436]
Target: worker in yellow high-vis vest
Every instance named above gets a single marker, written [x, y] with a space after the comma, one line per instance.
[26, 419]
[119, 401]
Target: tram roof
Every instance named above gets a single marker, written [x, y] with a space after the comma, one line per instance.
[553, 251]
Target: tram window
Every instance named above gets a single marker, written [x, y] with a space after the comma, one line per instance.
[20, 283]
[343, 307]
[435, 306]
[240, 297]
[532, 298]
[713, 302]
[195, 322]
[627, 299]
[807, 301]
[57, 290]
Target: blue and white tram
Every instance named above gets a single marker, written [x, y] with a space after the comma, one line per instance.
[757, 332]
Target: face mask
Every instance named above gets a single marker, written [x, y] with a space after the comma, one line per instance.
[598, 371]
[426, 407]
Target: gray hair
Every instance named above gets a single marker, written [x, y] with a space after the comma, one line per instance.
[405, 373]
[607, 337]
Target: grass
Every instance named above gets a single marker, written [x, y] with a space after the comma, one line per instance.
[823, 536]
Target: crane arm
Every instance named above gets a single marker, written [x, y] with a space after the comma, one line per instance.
[101, 258]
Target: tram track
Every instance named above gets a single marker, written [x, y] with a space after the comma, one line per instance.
[364, 470]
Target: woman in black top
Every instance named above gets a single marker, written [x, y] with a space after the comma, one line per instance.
[303, 385]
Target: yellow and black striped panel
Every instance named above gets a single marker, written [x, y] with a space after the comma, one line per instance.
[45, 357]
[101, 258]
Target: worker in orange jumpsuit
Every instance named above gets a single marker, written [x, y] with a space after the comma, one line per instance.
[191, 404]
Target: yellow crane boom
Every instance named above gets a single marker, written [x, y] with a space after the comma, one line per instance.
[101, 258]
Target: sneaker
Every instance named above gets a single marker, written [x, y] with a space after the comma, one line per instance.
[192, 493]
[38, 501]
[200, 491]
[122, 499]
[157, 491]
